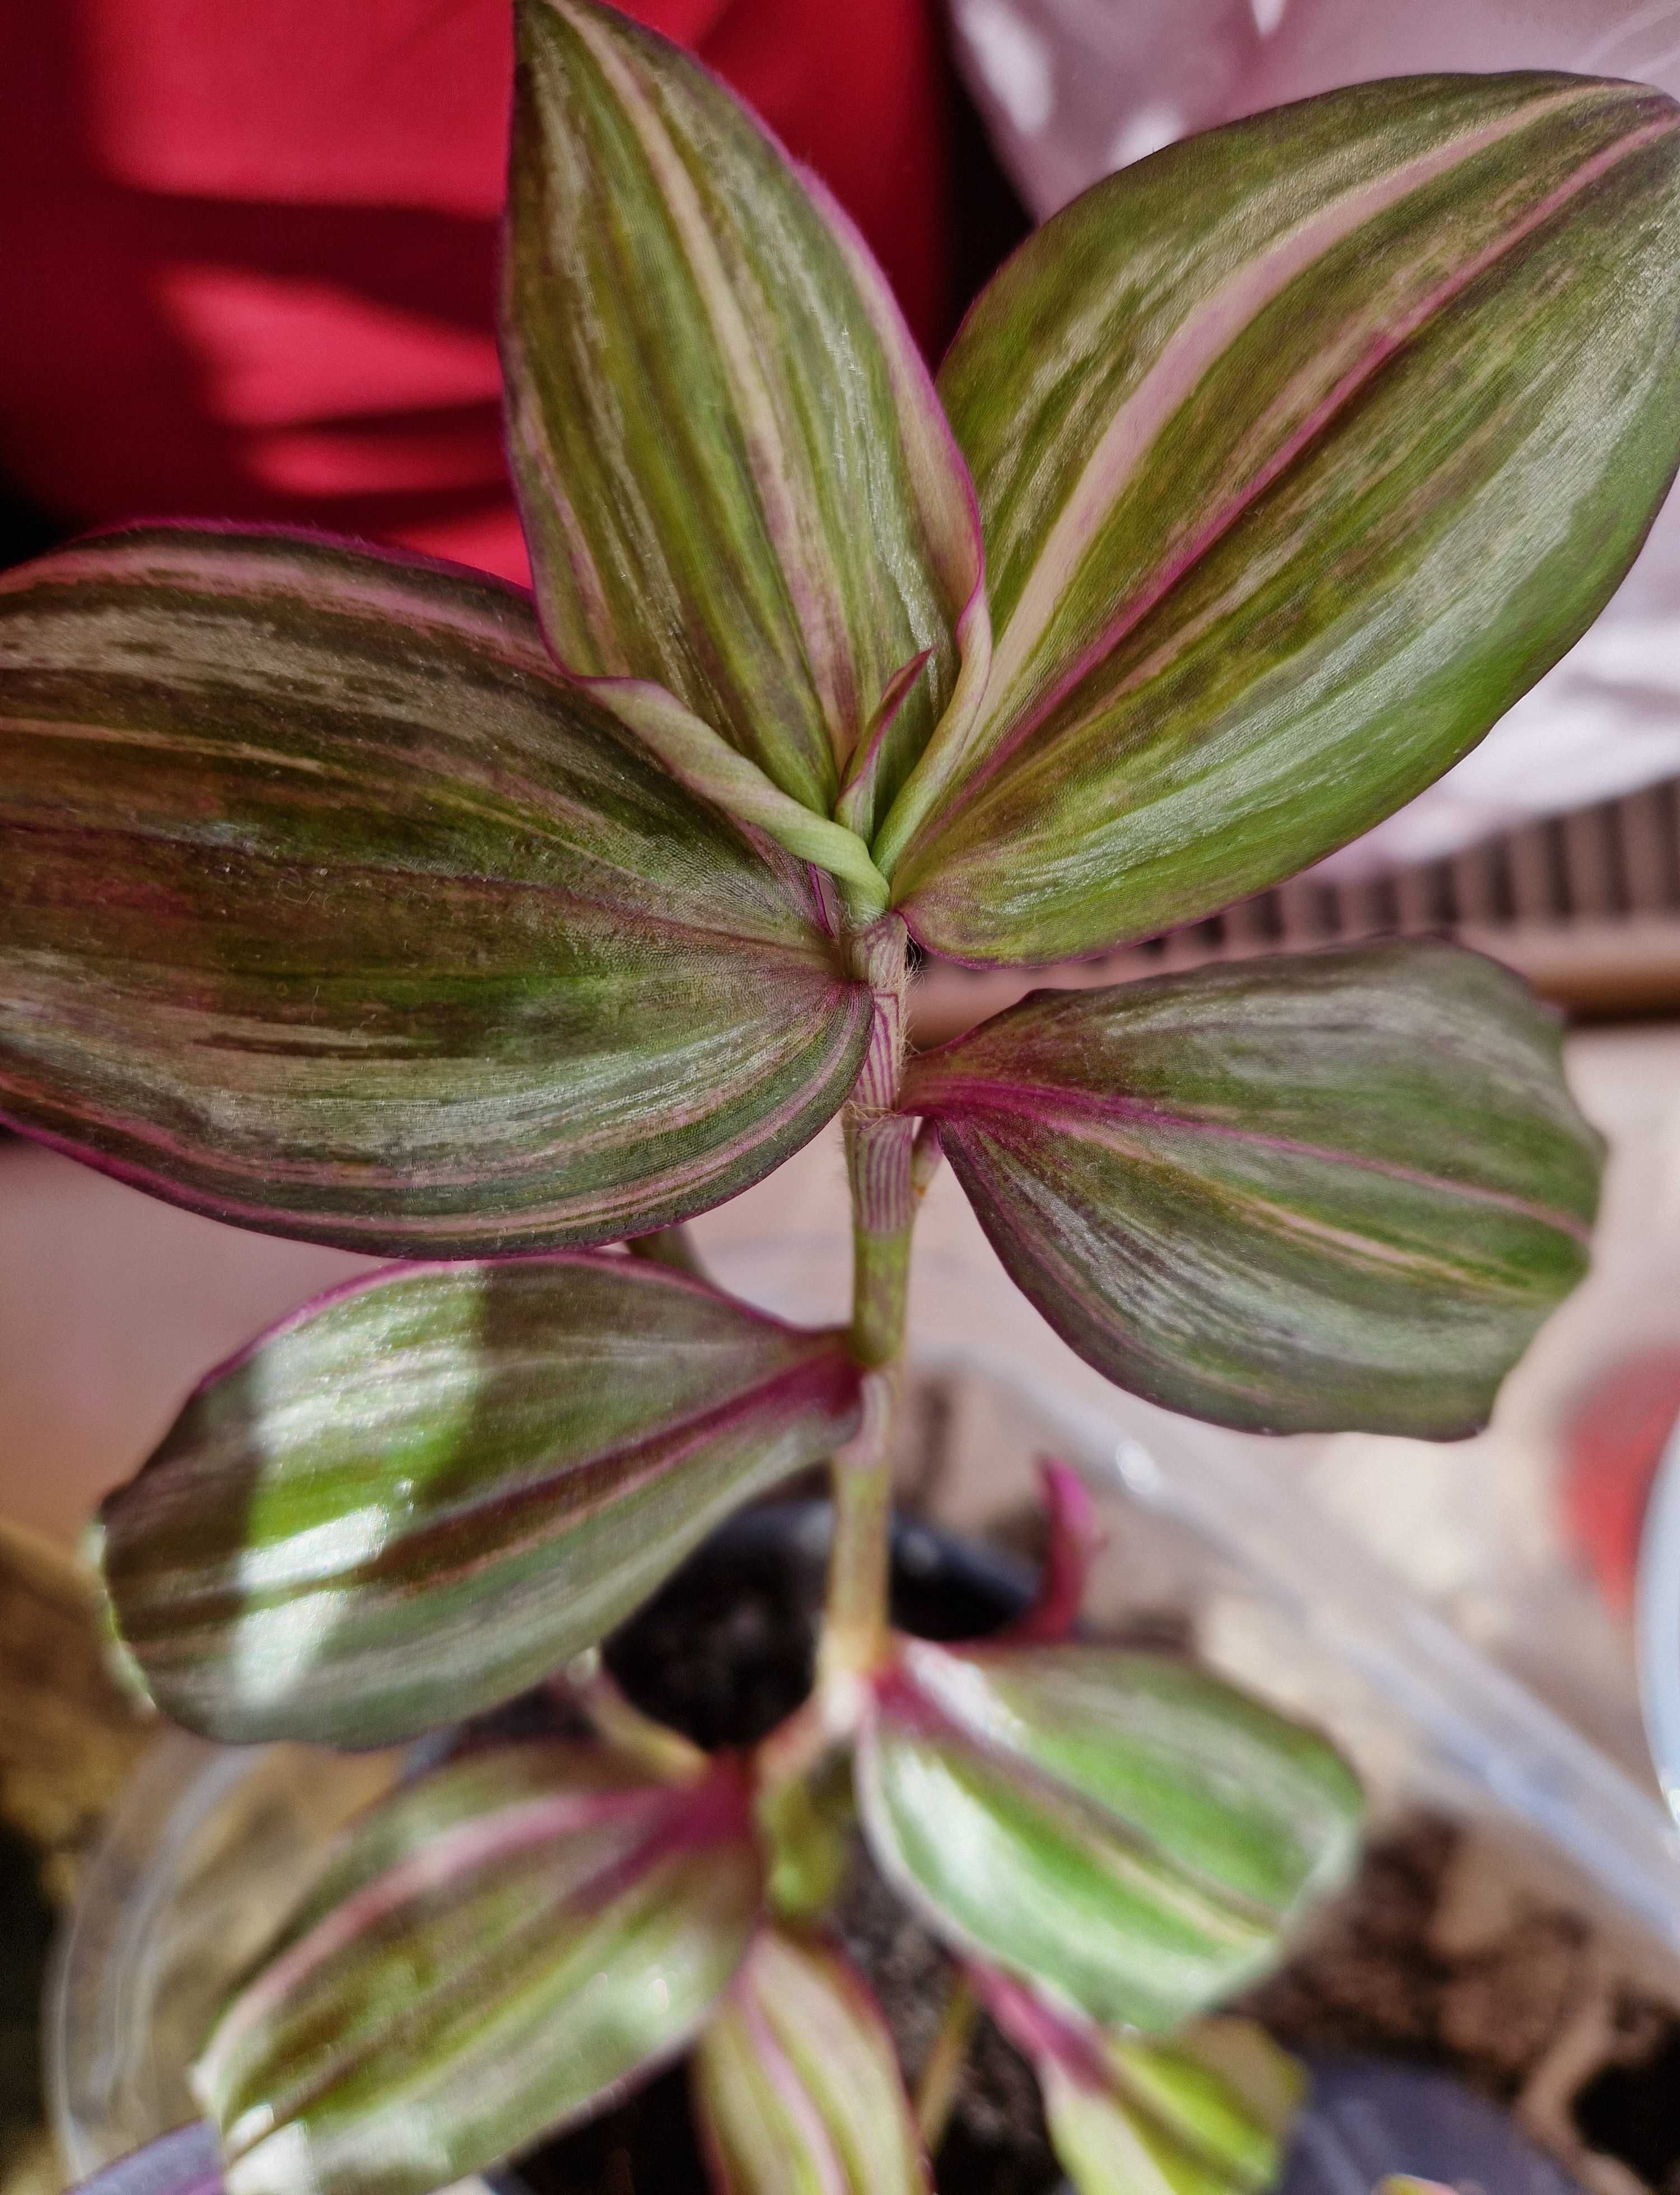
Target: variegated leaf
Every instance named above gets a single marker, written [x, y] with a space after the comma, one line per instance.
[1124, 1833]
[796, 2085]
[427, 1491]
[499, 1950]
[735, 479]
[1222, 2085]
[1303, 447]
[1190, 2099]
[327, 907]
[1335, 1189]
[1205, 2114]
[1107, 2146]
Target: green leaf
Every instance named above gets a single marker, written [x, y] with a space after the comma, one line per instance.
[497, 1951]
[1207, 2112]
[1107, 2147]
[1336, 1189]
[1262, 2087]
[327, 907]
[1303, 448]
[796, 2085]
[430, 1490]
[1125, 1835]
[736, 481]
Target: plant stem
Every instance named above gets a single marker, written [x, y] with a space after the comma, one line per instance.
[669, 1246]
[879, 1146]
[587, 1683]
[942, 2068]
[854, 1622]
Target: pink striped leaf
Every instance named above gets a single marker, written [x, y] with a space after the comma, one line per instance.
[738, 484]
[1303, 447]
[1204, 2114]
[497, 1950]
[328, 907]
[1123, 1835]
[1332, 1190]
[796, 2083]
[431, 1489]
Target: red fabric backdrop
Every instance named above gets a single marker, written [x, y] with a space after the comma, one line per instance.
[250, 250]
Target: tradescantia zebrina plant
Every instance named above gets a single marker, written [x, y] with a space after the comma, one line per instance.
[368, 902]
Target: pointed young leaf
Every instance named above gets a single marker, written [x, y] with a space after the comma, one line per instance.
[733, 482]
[1335, 1190]
[796, 2085]
[1125, 1835]
[1193, 2102]
[1303, 448]
[1073, 1537]
[498, 1950]
[327, 907]
[429, 1490]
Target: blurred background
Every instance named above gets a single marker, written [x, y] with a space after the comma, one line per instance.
[250, 262]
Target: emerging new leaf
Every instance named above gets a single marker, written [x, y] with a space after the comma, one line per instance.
[498, 1949]
[327, 907]
[1303, 447]
[1124, 1833]
[430, 1490]
[1073, 1537]
[1336, 1189]
[736, 479]
[796, 2083]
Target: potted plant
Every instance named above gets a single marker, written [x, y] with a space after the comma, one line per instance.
[364, 901]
